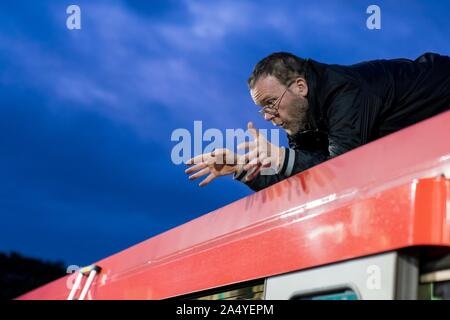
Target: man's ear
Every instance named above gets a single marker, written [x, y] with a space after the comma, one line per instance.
[302, 86]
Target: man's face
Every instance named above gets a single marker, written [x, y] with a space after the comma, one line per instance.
[293, 106]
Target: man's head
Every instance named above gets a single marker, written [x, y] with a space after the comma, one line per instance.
[278, 85]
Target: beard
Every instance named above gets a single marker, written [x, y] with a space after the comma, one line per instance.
[297, 118]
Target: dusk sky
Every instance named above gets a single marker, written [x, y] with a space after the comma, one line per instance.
[86, 116]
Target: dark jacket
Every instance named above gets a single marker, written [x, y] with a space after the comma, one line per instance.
[353, 105]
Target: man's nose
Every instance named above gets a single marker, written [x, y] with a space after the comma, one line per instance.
[268, 116]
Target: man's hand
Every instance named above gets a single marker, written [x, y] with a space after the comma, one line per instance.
[262, 154]
[220, 162]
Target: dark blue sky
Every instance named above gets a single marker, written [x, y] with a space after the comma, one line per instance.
[86, 116]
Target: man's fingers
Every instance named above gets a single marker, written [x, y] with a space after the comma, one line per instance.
[198, 159]
[251, 155]
[266, 163]
[197, 167]
[199, 174]
[247, 145]
[251, 164]
[208, 179]
[252, 130]
[218, 152]
[254, 173]
[207, 156]
[219, 156]
[256, 159]
[262, 155]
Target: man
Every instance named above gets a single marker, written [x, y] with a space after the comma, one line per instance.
[327, 110]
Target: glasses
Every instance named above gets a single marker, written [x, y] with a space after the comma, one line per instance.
[272, 108]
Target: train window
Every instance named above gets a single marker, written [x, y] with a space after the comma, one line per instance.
[435, 276]
[434, 291]
[247, 293]
[335, 294]
[253, 290]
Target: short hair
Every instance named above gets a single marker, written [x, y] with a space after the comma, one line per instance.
[282, 65]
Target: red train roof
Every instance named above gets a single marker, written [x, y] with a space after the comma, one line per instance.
[383, 196]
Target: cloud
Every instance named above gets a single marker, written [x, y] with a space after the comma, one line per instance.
[214, 20]
[121, 63]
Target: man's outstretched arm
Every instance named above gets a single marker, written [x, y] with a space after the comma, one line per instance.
[283, 162]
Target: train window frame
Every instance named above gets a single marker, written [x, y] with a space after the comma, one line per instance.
[209, 294]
